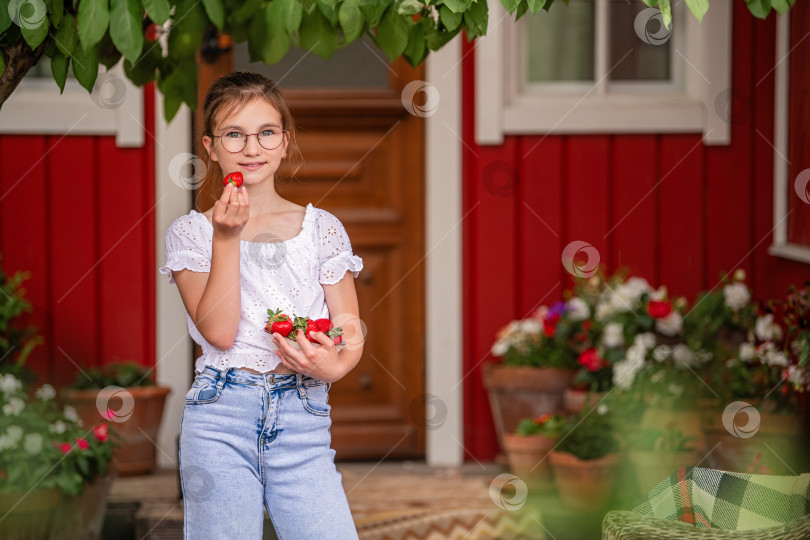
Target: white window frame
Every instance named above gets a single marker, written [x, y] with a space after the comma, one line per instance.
[37, 108]
[781, 185]
[502, 108]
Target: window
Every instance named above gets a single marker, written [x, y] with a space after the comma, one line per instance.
[607, 66]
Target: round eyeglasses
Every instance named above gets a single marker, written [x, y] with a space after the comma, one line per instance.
[236, 141]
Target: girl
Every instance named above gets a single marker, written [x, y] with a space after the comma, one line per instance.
[256, 426]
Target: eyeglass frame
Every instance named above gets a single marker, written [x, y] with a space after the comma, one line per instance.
[247, 136]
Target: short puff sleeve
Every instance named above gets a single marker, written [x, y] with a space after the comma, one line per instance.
[335, 255]
[185, 248]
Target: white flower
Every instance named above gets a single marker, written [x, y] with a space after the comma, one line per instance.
[601, 409]
[577, 309]
[603, 310]
[46, 392]
[33, 443]
[730, 362]
[796, 376]
[662, 352]
[14, 407]
[9, 384]
[434, 14]
[683, 356]
[704, 356]
[736, 295]
[613, 336]
[675, 389]
[530, 326]
[766, 329]
[7, 442]
[70, 414]
[776, 358]
[645, 340]
[58, 427]
[659, 294]
[747, 352]
[626, 296]
[624, 372]
[500, 347]
[15, 433]
[671, 325]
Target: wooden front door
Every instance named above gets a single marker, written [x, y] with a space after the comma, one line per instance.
[364, 162]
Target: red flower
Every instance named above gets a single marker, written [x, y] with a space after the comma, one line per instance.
[590, 360]
[659, 309]
[82, 443]
[100, 431]
[65, 447]
[586, 325]
[542, 419]
[550, 325]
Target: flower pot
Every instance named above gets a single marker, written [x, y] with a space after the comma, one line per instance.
[688, 421]
[136, 416]
[652, 466]
[518, 392]
[81, 517]
[528, 458]
[584, 485]
[577, 400]
[28, 515]
[767, 445]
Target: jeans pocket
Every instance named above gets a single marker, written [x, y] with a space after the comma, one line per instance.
[316, 400]
[204, 390]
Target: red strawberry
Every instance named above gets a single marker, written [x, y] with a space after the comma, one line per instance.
[235, 177]
[312, 327]
[278, 322]
[323, 325]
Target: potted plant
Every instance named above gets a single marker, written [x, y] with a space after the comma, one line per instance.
[656, 453]
[123, 394]
[537, 364]
[761, 383]
[585, 461]
[528, 447]
[54, 470]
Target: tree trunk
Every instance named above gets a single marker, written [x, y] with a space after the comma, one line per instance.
[19, 59]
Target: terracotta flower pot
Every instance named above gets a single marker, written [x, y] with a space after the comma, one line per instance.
[576, 400]
[528, 458]
[136, 414]
[752, 439]
[28, 515]
[584, 485]
[518, 392]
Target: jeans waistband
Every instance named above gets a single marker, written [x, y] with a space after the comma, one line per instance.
[272, 379]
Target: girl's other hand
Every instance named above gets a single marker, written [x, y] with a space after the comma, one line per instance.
[317, 362]
[231, 212]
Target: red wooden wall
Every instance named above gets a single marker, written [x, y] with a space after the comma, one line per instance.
[78, 213]
[676, 212]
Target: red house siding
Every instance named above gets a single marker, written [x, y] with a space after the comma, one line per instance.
[77, 212]
[671, 209]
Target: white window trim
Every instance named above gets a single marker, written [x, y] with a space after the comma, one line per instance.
[502, 110]
[36, 107]
[780, 246]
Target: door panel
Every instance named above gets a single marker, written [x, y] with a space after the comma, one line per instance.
[364, 162]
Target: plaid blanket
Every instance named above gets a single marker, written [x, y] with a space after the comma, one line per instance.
[709, 498]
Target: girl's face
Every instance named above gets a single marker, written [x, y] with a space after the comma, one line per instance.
[255, 162]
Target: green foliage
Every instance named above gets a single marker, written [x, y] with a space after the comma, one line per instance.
[547, 425]
[16, 340]
[89, 33]
[670, 439]
[590, 435]
[124, 374]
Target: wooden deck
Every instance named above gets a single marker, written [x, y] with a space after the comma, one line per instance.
[389, 501]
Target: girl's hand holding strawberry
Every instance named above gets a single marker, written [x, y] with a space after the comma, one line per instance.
[231, 211]
[317, 362]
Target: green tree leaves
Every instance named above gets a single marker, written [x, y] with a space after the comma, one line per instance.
[93, 17]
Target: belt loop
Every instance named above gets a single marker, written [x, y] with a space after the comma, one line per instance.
[221, 378]
[299, 383]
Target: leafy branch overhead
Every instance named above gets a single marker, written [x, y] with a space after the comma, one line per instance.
[85, 34]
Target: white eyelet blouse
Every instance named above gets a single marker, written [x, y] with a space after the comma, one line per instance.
[286, 275]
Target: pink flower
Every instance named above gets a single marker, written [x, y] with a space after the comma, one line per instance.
[100, 432]
[82, 443]
[65, 447]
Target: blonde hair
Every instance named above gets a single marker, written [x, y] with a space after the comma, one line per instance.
[228, 95]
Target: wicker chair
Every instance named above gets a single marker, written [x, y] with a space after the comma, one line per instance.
[722, 504]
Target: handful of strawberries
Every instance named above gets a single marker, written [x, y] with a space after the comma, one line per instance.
[281, 323]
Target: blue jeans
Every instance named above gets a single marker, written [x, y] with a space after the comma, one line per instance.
[250, 442]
